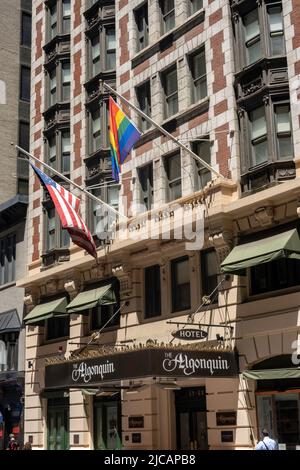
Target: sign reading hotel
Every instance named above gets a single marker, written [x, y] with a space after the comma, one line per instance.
[190, 334]
[157, 362]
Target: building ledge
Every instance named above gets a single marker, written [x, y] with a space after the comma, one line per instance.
[13, 211]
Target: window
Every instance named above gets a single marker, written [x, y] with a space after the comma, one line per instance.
[52, 78]
[50, 239]
[252, 37]
[22, 165]
[209, 273]
[144, 100]
[198, 71]
[25, 83]
[60, 83]
[103, 221]
[173, 173]
[168, 15]
[181, 295]
[53, 21]
[66, 81]
[96, 130]
[259, 136]
[152, 291]
[95, 51]
[278, 274]
[277, 44]
[7, 259]
[263, 32]
[26, 30]
[8, 351]
[24, 135]
[145, 175]
[59, 150]
[65, 151]
[66, 16]
[169, 81]
[202, 174]
[56, 236]
[196, 5]
[101, 314]
[110, 49]
[57, 328]
[283, 131]
[141, 19]
[59, 18]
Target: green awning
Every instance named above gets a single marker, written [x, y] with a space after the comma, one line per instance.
[282, 245]
[55, 308]
[271, 374]
[90, 298]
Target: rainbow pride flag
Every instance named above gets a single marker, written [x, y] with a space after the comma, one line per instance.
[122, 136]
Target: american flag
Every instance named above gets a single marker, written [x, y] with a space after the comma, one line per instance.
[67, 206]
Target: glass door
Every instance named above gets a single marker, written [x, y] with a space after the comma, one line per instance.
[107, 425]
[57, 427]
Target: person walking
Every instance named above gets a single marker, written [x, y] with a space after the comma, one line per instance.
[266, 443]
[13, 444]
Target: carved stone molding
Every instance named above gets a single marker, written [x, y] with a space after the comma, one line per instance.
[49, 288]
[31, 298]
[222, 242]
[123, 273]
[264, 215]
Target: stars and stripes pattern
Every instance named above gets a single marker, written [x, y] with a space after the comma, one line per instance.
[67, 206]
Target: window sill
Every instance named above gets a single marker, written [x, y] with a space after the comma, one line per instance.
[105, 330]
[55, 340]
[7, 285]
[51, 43]
[166, 41]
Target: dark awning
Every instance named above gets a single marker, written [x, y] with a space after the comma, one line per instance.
[103, 295]
[272, 374]
[54, 308]
[246, 255]
[9, 321]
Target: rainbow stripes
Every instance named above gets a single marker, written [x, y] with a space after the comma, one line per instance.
[122, 136]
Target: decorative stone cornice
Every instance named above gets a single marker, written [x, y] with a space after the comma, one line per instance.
[223, 242]
[123, 272]
[264, 215]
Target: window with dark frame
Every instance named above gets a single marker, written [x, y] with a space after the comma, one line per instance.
[66, 81]
[59, 150]
[273, 276]
[141, 20]
[264, 32]
[95, 130]
[173, 174]
[53, 20]
[22, 164]
[101, 314]
[143, 94]
[265, 143]
[170, 86]
[202, 148]
[209, 273]
[26, 29]
[145, 175]
[167, 15]
[198, 71]
[56, 236]
[52, 87]
[8, 259]
[180, 279]
[65, 151]
[66, 16]
[59, 19]
[95, 55]
[25, 83]
[57, 327]
[9, 348]
[152, 299]
[102, 222]
[110, 49]
[196, 5]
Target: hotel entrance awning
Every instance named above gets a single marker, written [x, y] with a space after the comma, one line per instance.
[264, 250]
[103, 295]
[55, 308]
[272, 374]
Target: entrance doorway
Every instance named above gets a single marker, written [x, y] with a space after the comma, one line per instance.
[191, 424]
[107, 423]
[58, 424]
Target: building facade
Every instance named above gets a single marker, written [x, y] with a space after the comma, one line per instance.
[105, 365]
[15, 60]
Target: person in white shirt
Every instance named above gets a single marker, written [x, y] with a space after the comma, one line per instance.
[266, 443]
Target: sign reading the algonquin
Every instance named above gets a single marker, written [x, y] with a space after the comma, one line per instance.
[141, 363]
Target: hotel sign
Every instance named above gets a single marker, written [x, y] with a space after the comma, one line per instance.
[157, 362]
[189, 334]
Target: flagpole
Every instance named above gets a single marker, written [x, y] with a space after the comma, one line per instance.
[163, 131]
[90, 195]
